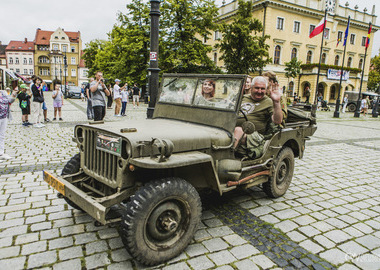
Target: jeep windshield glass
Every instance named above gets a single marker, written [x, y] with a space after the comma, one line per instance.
[221, 93]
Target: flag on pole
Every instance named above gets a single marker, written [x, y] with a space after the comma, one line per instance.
[319, 28]
[346, 33]
[338, 40]
[368, 35]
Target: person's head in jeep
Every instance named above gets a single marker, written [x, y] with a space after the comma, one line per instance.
[258, 88]
[208, 88]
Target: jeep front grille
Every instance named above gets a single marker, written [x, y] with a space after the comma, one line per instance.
[99, 164]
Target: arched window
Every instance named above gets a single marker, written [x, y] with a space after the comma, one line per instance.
[43, 59]
[323, 60]
[349, 62]
[215, 58]
[290, 89]
[277, 53]
[361, 63]
[294, 53]
[308, 57]
[332, 92]
[336, 62]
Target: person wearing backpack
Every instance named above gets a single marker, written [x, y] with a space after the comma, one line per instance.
[24, 99]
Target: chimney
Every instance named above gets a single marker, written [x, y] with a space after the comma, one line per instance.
[26, 40]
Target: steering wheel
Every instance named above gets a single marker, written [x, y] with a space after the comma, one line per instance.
[243, 113]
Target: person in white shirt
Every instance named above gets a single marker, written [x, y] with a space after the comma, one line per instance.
[117, 96]
[124, 101]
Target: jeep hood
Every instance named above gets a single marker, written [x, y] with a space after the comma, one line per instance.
[185, 136]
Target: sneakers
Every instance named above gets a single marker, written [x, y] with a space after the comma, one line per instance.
[25, 124]
[60, 119]
[54, 119]
[5, 157]
[29, 124]
[38, 125]
[117, 115]
[47, 120]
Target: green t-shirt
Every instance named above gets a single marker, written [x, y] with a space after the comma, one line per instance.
[258, 112]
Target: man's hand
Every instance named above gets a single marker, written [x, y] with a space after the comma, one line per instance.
[275, 92]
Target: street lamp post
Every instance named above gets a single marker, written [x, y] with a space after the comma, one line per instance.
[153, 68]
[65, 66]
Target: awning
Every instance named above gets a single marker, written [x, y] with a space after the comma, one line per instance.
[11, 74]
[25, 80]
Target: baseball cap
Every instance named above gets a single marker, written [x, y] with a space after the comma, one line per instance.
[117, 80]
[24, 86]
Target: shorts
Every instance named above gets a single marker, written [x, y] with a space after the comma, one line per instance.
[44, 106]
[57, 104]
[136, 98]
[26, 110]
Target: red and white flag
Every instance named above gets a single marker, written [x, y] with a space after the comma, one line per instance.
[318, 29]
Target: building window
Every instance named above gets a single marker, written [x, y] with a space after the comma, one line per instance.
[277, 53]
[10, 60]
[72, 48]
[296, 27]
[30, 61]
[290, 89]
[361, 63]
[349, 62]
[17, 70]
[215, 58]
[327, 33]
[25, 61]
[85, 73]
[311, 28]
[340, 35]
[45, 72]
[323, 60]
[308, 57]
[280, 23]
[332, 92]
[73, 72]
[25, 71]
[336, 62]
[64, 48]
[352, 39]
[43, 59]
[364, 39]
[73, 60]
[30, 71]
[217, 35]
[17, 61]
[294, 53]
[55, 47]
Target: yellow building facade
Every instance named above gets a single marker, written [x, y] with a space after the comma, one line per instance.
[289, 23]
[51, 48]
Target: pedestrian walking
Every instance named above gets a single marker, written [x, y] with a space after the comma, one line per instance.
[57, 102]
[44, 107]
[24, 99]
[364, 105]
[319, 101]
[110, 97]
[82, 95]
[99, 92]
[5, 115]
[136, 95]
[90, 112]
[38, 100]
[117, 96]
[124, 101]
[307, 94]
[344, 104]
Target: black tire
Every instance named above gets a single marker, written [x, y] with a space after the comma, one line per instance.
[160, 220]
[351, 107]
[72, 166]
[283, 173]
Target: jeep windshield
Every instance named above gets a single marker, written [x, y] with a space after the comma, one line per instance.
[207, 99]
[209, 92]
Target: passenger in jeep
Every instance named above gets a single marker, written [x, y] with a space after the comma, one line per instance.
[259, 108]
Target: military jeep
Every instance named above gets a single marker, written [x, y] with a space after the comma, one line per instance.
[148, 173]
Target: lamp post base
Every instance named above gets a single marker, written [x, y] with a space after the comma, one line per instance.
[357, 114]
[336, 114]
[149, 112]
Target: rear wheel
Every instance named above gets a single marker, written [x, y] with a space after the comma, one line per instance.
[351, 107]
[160, 220]
[283, 173]
[71, 167]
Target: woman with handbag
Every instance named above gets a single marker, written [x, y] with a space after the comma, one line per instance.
[38, 99]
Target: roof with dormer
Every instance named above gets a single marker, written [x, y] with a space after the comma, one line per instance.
[25, 45]
[43, 37]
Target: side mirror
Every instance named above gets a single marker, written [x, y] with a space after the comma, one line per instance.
[248, 127]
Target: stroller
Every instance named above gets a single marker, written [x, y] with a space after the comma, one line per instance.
[325, 107]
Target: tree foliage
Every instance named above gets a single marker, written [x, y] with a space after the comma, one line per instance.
[374, 74]
[90, 53]
[180, 49]
[293, 68]
[243, 52]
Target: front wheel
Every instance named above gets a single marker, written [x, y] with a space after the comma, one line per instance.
[71, 167]
[351, 107]
[279, 183]
[160, 220]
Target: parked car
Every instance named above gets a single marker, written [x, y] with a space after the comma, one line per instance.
[353, 99]
[73, 91]
[146, 174]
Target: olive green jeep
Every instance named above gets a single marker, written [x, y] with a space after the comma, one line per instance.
[147, 173]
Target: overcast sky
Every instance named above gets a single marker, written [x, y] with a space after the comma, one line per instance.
[93, 18]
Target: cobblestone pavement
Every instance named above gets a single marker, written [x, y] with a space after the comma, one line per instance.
[329, 218]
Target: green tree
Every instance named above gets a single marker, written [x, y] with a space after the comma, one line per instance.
[244, 53]
[90, 53]
[180, 49]
[292, 69]
[374, 74]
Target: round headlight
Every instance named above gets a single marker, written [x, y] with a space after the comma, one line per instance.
[79, 134]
